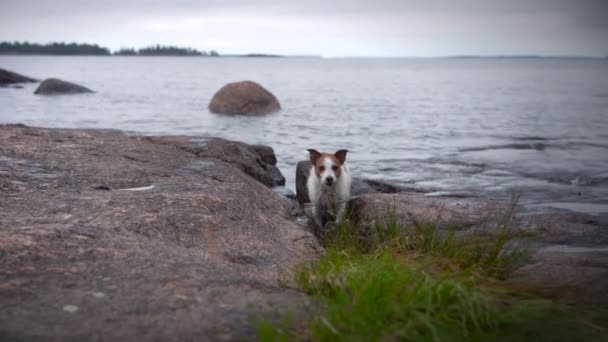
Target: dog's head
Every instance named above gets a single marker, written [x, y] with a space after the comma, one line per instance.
[328, 167]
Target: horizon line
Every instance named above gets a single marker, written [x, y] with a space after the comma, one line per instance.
[319, 56]
[112, 52]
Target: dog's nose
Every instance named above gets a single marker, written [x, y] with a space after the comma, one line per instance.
[329, 180]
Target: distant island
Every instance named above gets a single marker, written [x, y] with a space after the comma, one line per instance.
[25, 48]
[259, 55]
[83, 49]
[159, 50]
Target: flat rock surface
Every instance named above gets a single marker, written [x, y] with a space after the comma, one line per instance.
[258, 161]
[408, 207]
[569, 251]
[104, 236]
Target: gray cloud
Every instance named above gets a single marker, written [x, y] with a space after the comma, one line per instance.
[341, 27]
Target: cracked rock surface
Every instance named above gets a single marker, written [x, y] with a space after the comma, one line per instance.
[105, 236]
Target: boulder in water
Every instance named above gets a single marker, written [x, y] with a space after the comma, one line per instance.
[245, 98]
[54, 86]
[9, 77]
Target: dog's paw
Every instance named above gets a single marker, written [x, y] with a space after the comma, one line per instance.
[329, 226]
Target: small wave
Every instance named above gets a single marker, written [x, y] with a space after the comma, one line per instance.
[396, 160]
[536, 144]
[589, 181]
[520, 146]
[445, 161]
[587, 144]
[499, 173]
[461, 163]
[570, 179]
[522, 137]
[530, 138]
[389, 169]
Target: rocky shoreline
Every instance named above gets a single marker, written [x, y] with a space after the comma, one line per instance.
[112, 237]
[106, 236]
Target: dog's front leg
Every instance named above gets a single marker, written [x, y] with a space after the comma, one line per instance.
[340, 211]
[316, 215]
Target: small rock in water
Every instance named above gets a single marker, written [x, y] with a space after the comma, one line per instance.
[70, 308]
[98, 294]
[9, 77]
[285, 192]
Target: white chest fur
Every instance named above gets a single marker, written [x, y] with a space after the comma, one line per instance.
[332, 199]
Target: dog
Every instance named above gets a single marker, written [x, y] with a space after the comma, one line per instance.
[328, 185]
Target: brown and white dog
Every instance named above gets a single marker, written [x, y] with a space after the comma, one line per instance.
[328, 185]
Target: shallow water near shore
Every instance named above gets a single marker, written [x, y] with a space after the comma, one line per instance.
[467, 127]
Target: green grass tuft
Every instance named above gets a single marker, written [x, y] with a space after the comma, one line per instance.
[372, 296]
[423, 282]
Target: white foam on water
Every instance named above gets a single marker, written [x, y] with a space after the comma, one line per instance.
[143, 188]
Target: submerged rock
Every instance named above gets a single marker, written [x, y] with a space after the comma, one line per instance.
[182, 246]
[246, 97]
[9, 77]
[54, 86]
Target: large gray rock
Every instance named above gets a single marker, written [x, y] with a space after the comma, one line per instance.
[302, 171]
[246, 97]
[109, 237]
[9, 77]
[258, 161]
[54, 86]
[408, 208]
[266, 153]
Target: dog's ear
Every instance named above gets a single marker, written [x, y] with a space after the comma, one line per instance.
[314, 155]
[341, 155]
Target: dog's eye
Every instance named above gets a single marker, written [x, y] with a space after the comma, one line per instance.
[321, 168]
[334, 168]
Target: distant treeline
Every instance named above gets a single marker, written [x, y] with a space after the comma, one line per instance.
[164, 51]
[25, 48]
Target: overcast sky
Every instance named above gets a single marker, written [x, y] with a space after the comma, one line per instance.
[321, 27]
